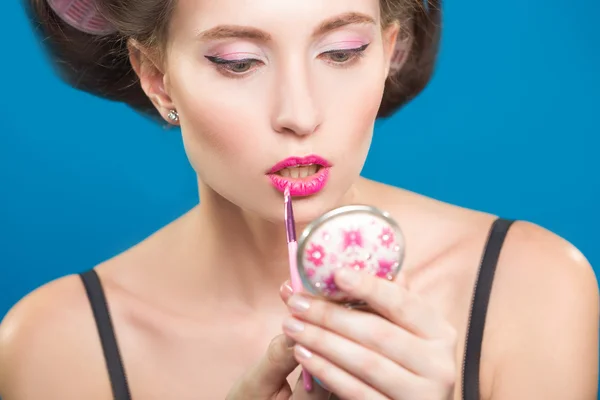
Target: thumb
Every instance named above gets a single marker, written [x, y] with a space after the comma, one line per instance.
[275, 365]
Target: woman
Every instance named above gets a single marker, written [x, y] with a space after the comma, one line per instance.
[192, 312]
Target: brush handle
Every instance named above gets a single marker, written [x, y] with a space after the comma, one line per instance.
[294, 274]
[297, 288]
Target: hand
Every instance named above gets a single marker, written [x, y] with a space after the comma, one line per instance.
[404, 351]
[267, 379]
[318, 392]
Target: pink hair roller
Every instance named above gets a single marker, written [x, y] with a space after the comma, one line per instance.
[359, 237]
[82, 15]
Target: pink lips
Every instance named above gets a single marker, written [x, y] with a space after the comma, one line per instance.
[300, 186]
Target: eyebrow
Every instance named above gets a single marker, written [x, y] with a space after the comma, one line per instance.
[340, 21]
[246, 32]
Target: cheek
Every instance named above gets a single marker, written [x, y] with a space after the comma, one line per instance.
[214, 128]
[355, 108]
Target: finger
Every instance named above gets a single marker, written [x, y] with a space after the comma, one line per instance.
[276, 364]
[344, 385]
[372, 368]
[285, 291]
[369, 330]
[395, 303]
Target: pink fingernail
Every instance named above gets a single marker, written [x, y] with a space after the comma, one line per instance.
[303, 352]
[286, 289]
[293, 325]
[299, 303]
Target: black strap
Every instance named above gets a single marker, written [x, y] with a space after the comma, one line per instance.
[114, 364]
[479, 306]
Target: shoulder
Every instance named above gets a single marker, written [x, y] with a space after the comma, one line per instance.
[49, 346]
[536, 262]
[543, 320]
[49, 343]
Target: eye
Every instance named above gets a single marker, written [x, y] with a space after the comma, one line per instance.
[346, 56]
[340, 56]
[234, 67]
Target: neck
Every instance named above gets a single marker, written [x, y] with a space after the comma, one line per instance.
[256, 249]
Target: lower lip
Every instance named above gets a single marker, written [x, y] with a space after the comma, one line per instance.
[301, 186]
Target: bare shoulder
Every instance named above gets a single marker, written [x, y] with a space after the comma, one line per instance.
[543, 319]
[49, 346]
[49, 343]
[542, 272]
[534, 252]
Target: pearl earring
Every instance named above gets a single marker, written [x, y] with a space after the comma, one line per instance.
[173, 116]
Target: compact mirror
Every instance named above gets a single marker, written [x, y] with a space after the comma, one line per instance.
[360, 237]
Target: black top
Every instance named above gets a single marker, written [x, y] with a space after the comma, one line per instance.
[479, 305]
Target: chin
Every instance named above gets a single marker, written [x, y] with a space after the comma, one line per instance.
[271, 209]
[309, 208]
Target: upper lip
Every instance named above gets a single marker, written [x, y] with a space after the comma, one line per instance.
[298, 162]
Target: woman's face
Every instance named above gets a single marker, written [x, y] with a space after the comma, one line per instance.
[264, 84]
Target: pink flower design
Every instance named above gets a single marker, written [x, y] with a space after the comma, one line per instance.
[330, 286]
[352, 238]
[385, 267]
[315, 254]
[386, 237]
[356, 264]
[310, 272]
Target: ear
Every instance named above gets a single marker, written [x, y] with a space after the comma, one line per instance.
[397, 45]
[152, 78]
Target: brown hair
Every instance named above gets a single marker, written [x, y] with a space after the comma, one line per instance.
[100, 64]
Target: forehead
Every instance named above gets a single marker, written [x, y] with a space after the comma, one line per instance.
[300, 17]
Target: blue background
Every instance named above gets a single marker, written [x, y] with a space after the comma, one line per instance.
[509, 125]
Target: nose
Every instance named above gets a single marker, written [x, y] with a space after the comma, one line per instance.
[296, 109]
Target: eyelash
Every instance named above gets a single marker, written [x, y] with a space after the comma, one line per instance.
[226, 66]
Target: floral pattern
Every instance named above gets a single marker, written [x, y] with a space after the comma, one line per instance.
[315, 254]
[361, 241]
